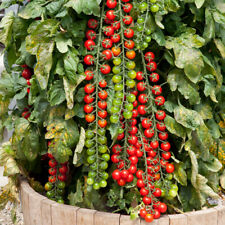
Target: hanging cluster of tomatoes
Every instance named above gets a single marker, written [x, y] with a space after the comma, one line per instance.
[26, 74]
[141, 147]
[95, 103]
[55, 187]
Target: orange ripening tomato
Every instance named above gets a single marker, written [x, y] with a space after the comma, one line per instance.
[89, 118]
[102, 123]
[130, 54]
[116, 51]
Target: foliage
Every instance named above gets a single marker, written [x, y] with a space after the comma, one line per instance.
[188, 38]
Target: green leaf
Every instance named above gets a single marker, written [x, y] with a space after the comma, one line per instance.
[174, 127]
[76, 197]
[187, 117]
[214, 128]
[6, 26]
[213, 164]
[159, 37]
[33, 10]
[56, 93]
[88, 7]
[55, 6]
[79, 147]
[62, 43]
[220, 46]
[76, 111]
[209, 30]
[180, 174]
[199, 3]
[194, 167]
[222, 180]
[204, 110]
[177, 80]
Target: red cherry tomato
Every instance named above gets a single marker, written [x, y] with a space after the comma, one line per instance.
[156, 89]
[103, 94]
[133, 159]
[132, 130]
[169, 168]
[92, 23]
[149, 133]
[107, 43]
[129, 33]
[63, 169]
[140, 183]
[165, 146]
[132, 169]
[160, 100]
[127, 8]
[88, 99]
[144, 191]
[129, 44]
[115, 38]
[132, 139]
[149, 218]
[162, 207]
[89, 88]
[102, 83]
[157, 193]
[124, 174]
[107, 54]
[89, 45]
[157, 214]
[127, 20]
[108, 31]
[52, 163]
[147, 200]
[89, 75]
[166, 155]
[89, 60]
[105, 69]
[139, 75]
[102, 104]
[154, 144]
[149, 56]
[62, 177]
[161, 126]
[142, 109]
[115, 158]
[111, 4]
[121, 182]
[143, 98]
[154, 77]
[102, 123]
[91, 35]
[116, 25]
[130, 178]
[116, 175]
[131, 150]
[163, 136]
[110, 15]
[116, 148]
[88, 108]
[160, 115]
[89, 118]
[52, 171]
[141, 86]
[26, 114]
[102, 114]
[26, 73]
[151, 66]
[139, 174]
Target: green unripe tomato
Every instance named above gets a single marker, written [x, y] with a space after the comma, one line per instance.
[103, 149]
[119, 95]
[89, 134]
[130, 65]
[129, 106]
[106, 157]
[101, 131]
[114, 118]
[140, 28]
[61, 185]
[174, 186]
[130, 83]
[163, 193]
[103, 183]
[148, 31]
[60, 191]
[131, 98]
[105, 175]
[118, 87]
[143, 6]
[60, 201]
[158, 184]
[91, 151]
[169, 176]
[91, 159]
[127, 115]
[153, 1]
[94, 166]
[115, 109]
[96, 186]
[89, 143]
[144, 45]
[92, 174]
[103, 165]
[116, 79]
[50, 194]
[172, 193]
[117, 102]
[90, 181]
[117, 61]
[140, 20]
[102, 140]
[132, 74]
[120, 130]
[116, 69]
[48, 186]
[154, 8]
[148, 39]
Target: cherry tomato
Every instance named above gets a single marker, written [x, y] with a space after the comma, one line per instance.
[165, 146]
[146, 123]
[107, 54]
[116, 175]
[28, 90]
[107, 43]
[52, 171]
[147, 200]
[111, 4]
[92, 23]
[129, 33]
[129, 44]
[132, 130]
[166, 155]
[162, 207]
[102, 104]
[149, 56]
[127, 20]
[52, 179]
[141, 86]
[135, 103]
[89, 118]
[89, 75]
[131, 150]
[154, 77]
[121, 182]
[108, 31]
[130, 54]
[115, 38]
[163, 136]
[132, 139]
[89, 88]
[102, 114]
[139, 174]
[62, 177]
[143, 213]
[157, 192]
[107, 21]
[120, 136]
[133, 159]
[103, 94]
[152, 153]
[116, 149]
[91, 35]
[139, 153]
[89, 45]
[140, 183]
[125, 0]
[89, 60]
[26, 74]
[139, 75]
[88, 99]
[127, 8]
[102, 123]
[160, 100]
[134, 113]
[160, 115]
[105, 69]
[116, 25]
[110, 15]
[88, 108]
[102, 83]
[124, 174]
[144, 191]
[149, 133]
[157, 90]
[132, 169]
[63, 169]
[161, 126]
[143, 98]
[169, 168]
[149, 218]
[116, 51]
[157, 214]
[130, 178]
[28, 82]
[142, 109]
[115, 158]
[26, 114]
[151, 66]
[52, 163]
